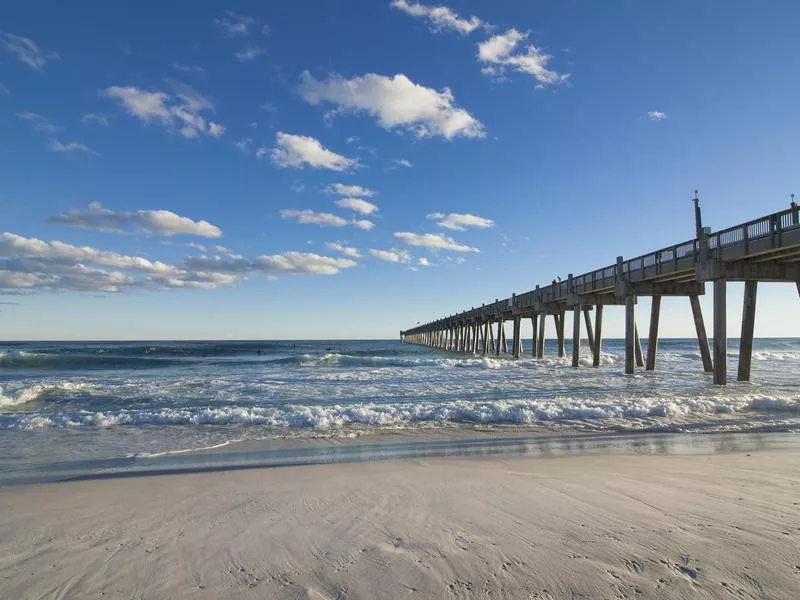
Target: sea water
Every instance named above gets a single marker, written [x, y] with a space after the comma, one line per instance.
[77, 408]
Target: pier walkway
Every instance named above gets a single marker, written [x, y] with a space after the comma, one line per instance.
[764, 249]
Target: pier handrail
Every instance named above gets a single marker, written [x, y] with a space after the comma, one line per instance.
[684, 254]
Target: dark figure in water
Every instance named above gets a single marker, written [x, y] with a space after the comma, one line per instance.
[259, 351]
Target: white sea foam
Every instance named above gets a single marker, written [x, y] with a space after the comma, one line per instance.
[525, 412]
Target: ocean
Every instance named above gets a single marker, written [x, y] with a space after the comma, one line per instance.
[75, 409]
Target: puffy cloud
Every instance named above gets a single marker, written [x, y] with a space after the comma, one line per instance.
[656, 115]
[180, 110]
[38, 122]
[309, 217]
[233, 25]
[461, 222]
[393, 255]
[346, 250]
[299, 150]
[274, 264]
[248, 54]
[439, 17]
[155, 222]
[424, 262]
[433, 241]
[28, 265]
[395, 102]
[57, 146]
[349, 190]
[95, 118]
[502, 50]
[364, 224]
[358, 205]
[26, 50]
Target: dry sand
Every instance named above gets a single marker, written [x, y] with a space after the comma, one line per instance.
[720, 526]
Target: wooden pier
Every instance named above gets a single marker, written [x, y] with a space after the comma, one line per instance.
[765, 249]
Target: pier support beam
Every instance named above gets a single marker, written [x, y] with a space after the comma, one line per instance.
[540, 339]
[630, 333]
[505, 340]
[517, 341]
[702, 338]
[748, 323]
[486, 330]
[720, 332]
[598, 334]
[637, 345]
[500, 336]
[534, 326]
[652, 339]
[576, 336]
[491, 337]
[560, 331]
[587, 319]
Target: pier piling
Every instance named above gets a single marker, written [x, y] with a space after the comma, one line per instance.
[720, 332]
[702, 337]
[576, 336]
[630, 333]
[652, 338]
[748, 324]
[598, 332]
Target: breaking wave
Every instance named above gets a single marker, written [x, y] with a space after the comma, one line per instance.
[520, 412]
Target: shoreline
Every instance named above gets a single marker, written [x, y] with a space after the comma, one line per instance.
[398, 445]
[591, 526]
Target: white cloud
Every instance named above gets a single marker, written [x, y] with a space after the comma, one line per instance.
[501, 51]
[249, 54]
[215, 130]
[424, 262]
[358, 205]
[346, 250]
[235, 25]
[57, 146]
[274, 264]
[28, 265]
[309, 217]
[433, 241]
[180, 111]
[38, 122]
[364, 224]
[261, 152]
[656, 115]
[401, 162]
[349, 190]
[461, 222]
[395, 102]
[188, 68]
[439, 17]
[155, 222]
[26, 50]
[393, 255]
[95, 118]
[299, 150]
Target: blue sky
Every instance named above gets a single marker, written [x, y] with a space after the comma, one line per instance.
[170, 170]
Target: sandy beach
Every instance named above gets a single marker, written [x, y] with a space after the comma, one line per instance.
[702, 526]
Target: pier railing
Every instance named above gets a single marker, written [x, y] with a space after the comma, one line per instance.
[759, 235]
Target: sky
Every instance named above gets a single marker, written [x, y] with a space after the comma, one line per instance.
[304, 170]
